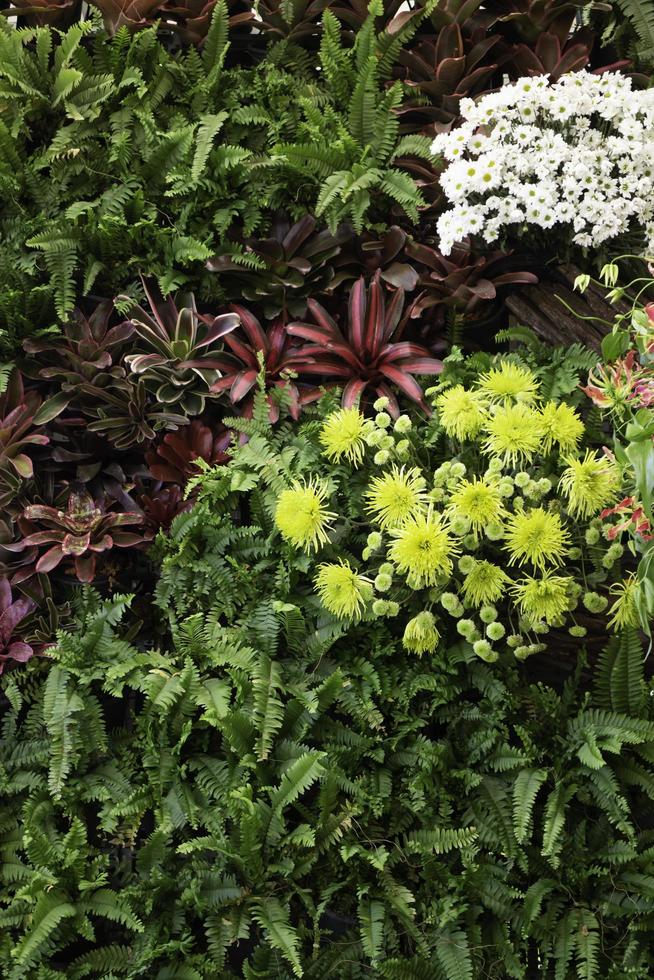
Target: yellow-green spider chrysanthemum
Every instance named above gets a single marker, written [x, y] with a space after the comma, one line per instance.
[536, 536]
[589, 484]
[342, 436]
[396, 496]
[341, 590]
[420, 634]
[543, 599]
[479, 501]
[461, 413]
[513, 433]
[423, 548]
[561, 426]
[624, 611]
[509, 383]
[301, 515]
[484, 583]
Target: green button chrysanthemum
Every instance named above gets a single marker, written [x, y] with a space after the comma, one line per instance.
[478, 501]
[343, 436]
[589, 484]
[509, 383]
[543, 599]
[513, 434]
[560, 426]
[396, 496]
[302, 516]
[536, 537]
[423, 548]
[461, 413]
[342, 591]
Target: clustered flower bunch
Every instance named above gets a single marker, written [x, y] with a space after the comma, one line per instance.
[576, 152]
[622, 387]
[482, 521]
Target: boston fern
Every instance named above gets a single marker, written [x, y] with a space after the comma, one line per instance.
[120, 157]
[275, 791]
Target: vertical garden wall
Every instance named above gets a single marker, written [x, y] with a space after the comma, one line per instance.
[326, 476]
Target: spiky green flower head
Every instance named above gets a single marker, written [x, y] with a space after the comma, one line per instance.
[461, 413]
[342, 591]
[589, 484]
[544, 598]
[624, 611]
[343, 436]
[536, 537]
[421, 634]
[478, 501]
[396, 496]
[485, 583]
[513, 434]
[302, 516]
[561, 427]
[423, 548]
[509, 383]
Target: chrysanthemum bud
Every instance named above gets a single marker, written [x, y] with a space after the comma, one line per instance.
[594, 602]
[381, 404]
[374, 540]
[578, 631]
[382, 420]
[484, 650]
[495, 631]
[420, 634]
[488, 614]
[494, 532]
[403, 424]
[383, 583]
[521, 479]
[466, 627]
[592, 536]
[381, 457]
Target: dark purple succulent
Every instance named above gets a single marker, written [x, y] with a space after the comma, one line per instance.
[294, 262]
[86, 353]
[364, 353]
[462, 280]
[86, 528]
[18, 436]
[251, 348]
[12, 613]
[173, 460]
[162, 506]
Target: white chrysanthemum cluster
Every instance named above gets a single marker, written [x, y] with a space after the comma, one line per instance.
[577, 152]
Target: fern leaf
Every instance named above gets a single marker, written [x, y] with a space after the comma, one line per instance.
[371, 925]
[274, 919]
[453, 954]
[525, 790]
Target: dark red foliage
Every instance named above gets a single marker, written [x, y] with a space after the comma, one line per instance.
[462, 280]
[79, 533]
[18, 435]
[295, 262]
[550, 55]
[173, 459]
[163, 506]
[240, 366]
[369, 252]
[363, 354]
[12, 612]
[446, 68]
